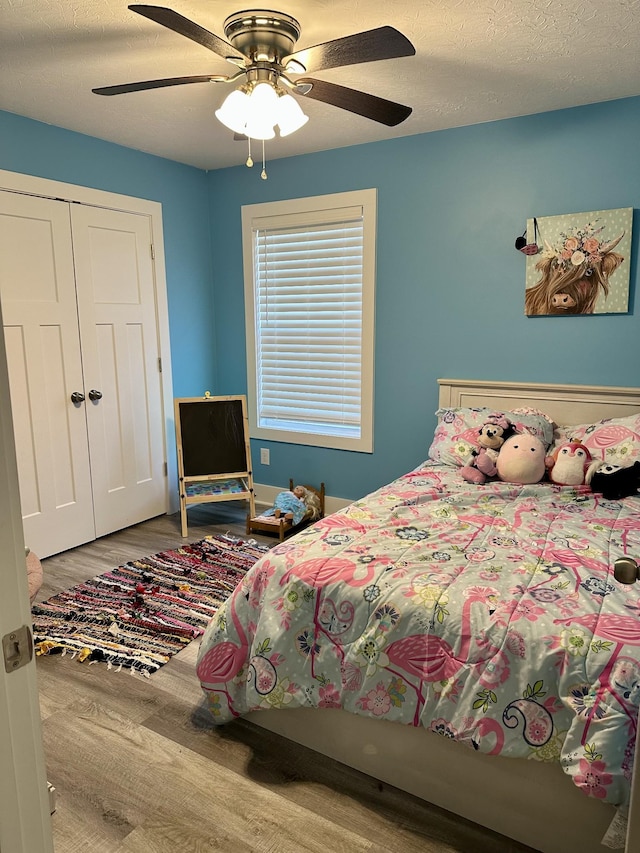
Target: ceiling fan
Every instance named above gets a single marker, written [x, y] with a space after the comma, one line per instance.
[260, 44]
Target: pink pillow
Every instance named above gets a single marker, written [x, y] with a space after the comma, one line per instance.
[615, 440]
[457, 432]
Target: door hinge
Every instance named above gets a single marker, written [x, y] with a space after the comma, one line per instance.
[165, 468]
[153, 252]
[17, 648]
[160, 365]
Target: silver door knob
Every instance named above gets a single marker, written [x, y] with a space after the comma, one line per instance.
[77, 397]
[95, 395]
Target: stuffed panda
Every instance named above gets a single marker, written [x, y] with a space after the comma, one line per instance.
[615, 481]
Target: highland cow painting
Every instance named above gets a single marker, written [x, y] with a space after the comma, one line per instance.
[582, 265]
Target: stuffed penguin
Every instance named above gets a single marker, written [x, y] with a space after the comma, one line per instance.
[568, 465]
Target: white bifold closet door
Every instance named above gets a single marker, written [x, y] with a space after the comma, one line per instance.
[81, 334]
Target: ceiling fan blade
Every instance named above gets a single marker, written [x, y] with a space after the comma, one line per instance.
[153, 84]
[368, 46]
[184, 27]
[369, 106]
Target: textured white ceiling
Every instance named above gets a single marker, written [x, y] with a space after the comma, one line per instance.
[476, 61]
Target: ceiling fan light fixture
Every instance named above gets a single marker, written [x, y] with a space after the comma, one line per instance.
[256, 114]
[290, 115]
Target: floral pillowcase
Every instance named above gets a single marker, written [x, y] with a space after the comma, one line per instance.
[456, 435]
[615, 440]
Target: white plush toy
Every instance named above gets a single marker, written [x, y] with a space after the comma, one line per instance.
[521, 459]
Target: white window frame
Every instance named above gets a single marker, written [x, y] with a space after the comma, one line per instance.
[260, 216]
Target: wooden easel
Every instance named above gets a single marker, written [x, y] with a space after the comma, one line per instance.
[214, 453]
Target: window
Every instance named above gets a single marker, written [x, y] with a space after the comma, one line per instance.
[309, 270]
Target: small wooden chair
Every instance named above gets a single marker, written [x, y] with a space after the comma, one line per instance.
[282, 526]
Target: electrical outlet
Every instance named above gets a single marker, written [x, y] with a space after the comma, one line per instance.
[264, 456]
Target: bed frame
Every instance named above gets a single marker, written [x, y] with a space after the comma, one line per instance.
[531, 802]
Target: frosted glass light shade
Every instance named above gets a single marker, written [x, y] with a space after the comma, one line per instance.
[234, 112]
[257, 129]
[290, 116]
[264, 102]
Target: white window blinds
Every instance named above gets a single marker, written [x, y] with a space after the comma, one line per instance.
[309, 326]
[310, 321]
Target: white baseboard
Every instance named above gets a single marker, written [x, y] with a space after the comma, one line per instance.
[265, 496]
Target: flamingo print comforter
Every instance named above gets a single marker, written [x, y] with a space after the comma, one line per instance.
[487, 614]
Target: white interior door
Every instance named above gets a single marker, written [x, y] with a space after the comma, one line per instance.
[121, 362]
[45, 367]
[25, 823]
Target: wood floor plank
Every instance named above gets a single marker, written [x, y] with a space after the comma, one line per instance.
[160, 784]
[178, 677]
[392, 818]
[65, 680]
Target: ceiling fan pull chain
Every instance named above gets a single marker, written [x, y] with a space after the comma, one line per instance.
[249, 158]
[263, 173]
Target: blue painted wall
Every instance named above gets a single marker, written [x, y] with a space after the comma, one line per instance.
[450, 284]
[34, 148]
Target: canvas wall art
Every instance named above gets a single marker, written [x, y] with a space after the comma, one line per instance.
[582, 266]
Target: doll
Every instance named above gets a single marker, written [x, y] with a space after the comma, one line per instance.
[294, 505]
[491, 436]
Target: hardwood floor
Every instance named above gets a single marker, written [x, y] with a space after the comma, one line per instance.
[139, 768]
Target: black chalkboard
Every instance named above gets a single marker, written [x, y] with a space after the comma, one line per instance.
[214, 454]
[212, 436]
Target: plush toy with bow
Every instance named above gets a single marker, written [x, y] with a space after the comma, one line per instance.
[491, 436]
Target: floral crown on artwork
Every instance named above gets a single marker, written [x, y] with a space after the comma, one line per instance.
[578, 247]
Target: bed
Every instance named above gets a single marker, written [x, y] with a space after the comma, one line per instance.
[488, 615]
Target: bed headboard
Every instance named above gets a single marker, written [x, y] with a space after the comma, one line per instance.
[566, 404]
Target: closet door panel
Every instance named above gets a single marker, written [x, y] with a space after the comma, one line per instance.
[119, 338]
[37, 288]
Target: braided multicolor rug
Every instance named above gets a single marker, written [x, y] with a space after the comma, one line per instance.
[138, 615]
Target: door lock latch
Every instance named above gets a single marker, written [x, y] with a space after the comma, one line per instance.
[17, 648]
